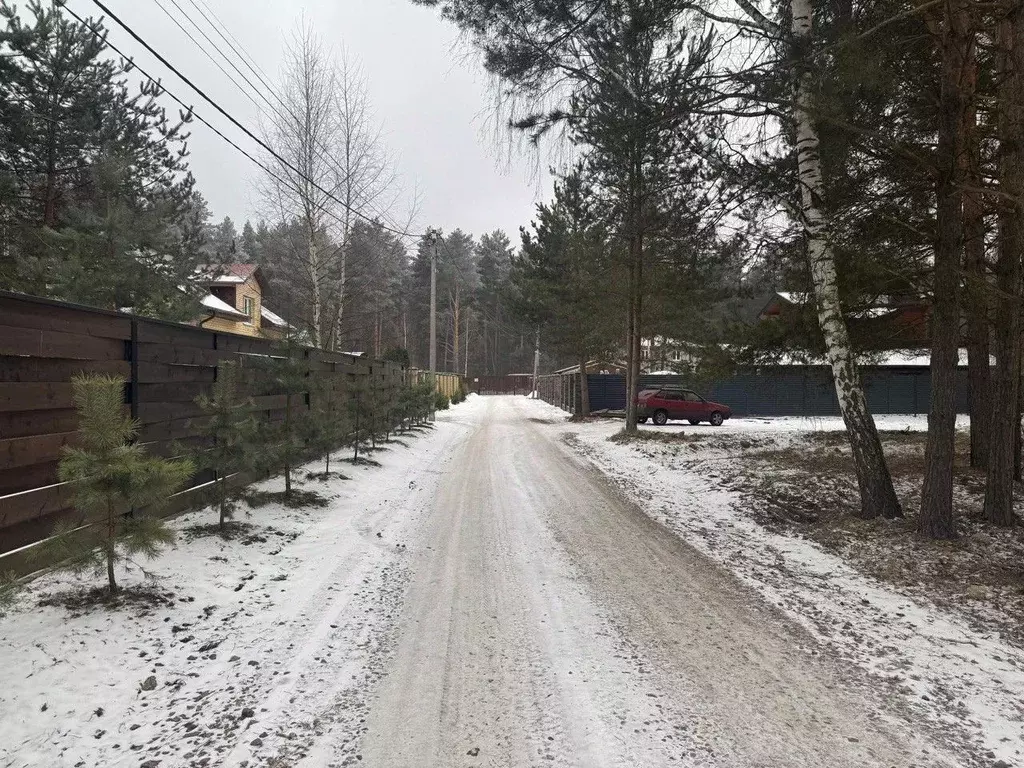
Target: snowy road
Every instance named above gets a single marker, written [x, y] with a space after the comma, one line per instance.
[549, 622]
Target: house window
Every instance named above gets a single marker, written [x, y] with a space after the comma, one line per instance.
[249, 307]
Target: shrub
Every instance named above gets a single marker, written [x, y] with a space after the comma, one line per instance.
[441, 402]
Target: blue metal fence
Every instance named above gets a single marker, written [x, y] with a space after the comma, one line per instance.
[792, 391]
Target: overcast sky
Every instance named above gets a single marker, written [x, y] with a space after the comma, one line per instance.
[432, 101]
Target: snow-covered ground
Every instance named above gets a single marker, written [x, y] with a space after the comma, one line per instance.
[484, 598]
[960, 678]
[263, 642]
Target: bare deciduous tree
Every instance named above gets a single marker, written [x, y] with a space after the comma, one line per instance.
[334, 168]
[367, 177]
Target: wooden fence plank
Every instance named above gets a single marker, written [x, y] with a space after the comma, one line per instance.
[249, 345]
[53, 317]
[161, 373]
[19, 507]
[150, 413]
[165, 353]
[35, 449]
[68, 346]
[31, 369]
[173, 429]
[180, 392]
[177, 335]
[35, 396]
[23, 424]
[14, 479]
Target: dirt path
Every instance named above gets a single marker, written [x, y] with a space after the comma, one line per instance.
[549, 622]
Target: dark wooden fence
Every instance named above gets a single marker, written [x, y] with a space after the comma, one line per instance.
[769, 390]
[500, 385]
[167, 365]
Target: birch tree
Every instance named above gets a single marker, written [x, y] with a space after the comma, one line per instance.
[365, 172]
[305, 185]
[877, 495]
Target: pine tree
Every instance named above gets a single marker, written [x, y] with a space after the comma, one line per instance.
[233, 431]
[287, 374]
[561, 277]
[98, 172]
[358, 406]
[329, 425]
[110, 475]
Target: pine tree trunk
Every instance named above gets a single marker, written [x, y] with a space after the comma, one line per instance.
[288, 446]
[223, 507]
[936, 518]
[1006, 377]
[110, 546]
[877, 495]
[976, 294]
[584, 389]
[111, 582]
[631, 333]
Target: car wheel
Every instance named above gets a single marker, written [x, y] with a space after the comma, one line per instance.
[695, 422]
[717, 419]
[661, 418]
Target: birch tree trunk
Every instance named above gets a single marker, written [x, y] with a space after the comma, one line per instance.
[313, 264]
[877, 496]
[936, 518]
[1006, 377]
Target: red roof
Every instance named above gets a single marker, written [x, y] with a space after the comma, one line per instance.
[235, 273]
[243, 271]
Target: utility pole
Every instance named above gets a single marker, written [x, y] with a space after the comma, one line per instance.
[536, 363]
[433, 306]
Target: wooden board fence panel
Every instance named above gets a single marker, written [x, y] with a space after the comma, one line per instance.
[27, 423]
[27, 477]
[44, 343]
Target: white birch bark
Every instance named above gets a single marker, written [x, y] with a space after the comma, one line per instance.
[877, 494]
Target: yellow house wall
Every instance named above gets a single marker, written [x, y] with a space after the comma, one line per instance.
[230, 326]
[250, 288]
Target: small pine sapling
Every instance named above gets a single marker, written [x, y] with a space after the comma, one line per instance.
[426, 401]
[329, 423]
[391, 408]
[358, 409]
[288, 375]
[233, 431]
[109, 474]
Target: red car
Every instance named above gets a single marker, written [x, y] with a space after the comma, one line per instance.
[660, 405]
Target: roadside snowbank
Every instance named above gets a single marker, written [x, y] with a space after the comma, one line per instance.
[955, 676]
[261, 644]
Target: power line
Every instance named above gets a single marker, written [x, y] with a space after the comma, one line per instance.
[135, 36]
[214, 61]
[193, 113]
